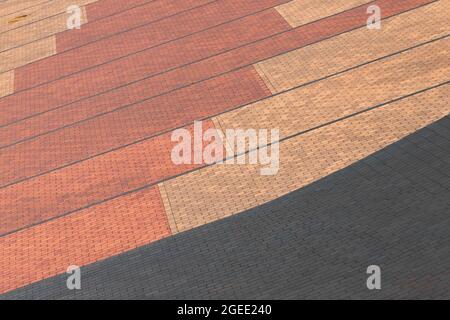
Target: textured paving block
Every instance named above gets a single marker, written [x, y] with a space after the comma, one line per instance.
[6, 83]
[33, 51]
[314, 243]
[342, 95]
[433, 71]
[166, 203]
[143, 38]
[321, 59]
[50, 19]
[103, 8]
[190, 73]
[124, 20]
[87, 175]
[299, 12]
[78, 239]
[8, 7]
[37, 13]
[91, 181]
[157, 60]
[128, 125]
[222, 190]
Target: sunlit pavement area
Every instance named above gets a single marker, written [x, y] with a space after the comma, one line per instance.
[87, 117]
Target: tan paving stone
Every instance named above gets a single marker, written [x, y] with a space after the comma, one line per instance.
[299, 12]
[51, 25]
[28, 53]
[6, 83]
[222, 190]
[41, 11]
[341, 95]
[167, 209]
[11, 6]
[350, 49]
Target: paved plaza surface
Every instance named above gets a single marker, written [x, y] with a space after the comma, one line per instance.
[361, 171]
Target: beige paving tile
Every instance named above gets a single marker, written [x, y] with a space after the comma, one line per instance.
[6, 83]
[222, 190]
[318, 103]
[11, 6]
[42, 11]
[167, 208]
[39, 29]
[28, 53]
[299, 12]
[350, 49]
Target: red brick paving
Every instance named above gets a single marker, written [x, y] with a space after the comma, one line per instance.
[148, 36]
[122, 21]
[195, 72]
[94, 234]
[90, 181]
[156, 60]
[128, 125]
[135, 219]
[105, 8]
